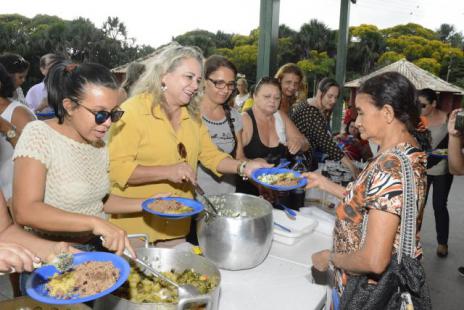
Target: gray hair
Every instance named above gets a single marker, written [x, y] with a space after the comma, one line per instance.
[167, 59]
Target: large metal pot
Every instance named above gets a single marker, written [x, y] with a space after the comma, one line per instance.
[165, 260]
[236, 242]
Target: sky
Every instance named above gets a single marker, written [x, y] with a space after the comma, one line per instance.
[155, 22]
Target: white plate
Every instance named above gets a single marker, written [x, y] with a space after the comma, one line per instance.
[299, 227]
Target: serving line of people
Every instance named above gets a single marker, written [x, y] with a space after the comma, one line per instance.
[61, 178]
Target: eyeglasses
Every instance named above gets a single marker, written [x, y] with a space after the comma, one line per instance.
[102, 116]
[182, 150]
[220, 84]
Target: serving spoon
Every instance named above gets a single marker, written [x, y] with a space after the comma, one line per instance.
[201, 192]
[185, 290]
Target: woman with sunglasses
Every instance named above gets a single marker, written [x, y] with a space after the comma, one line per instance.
[438, 174]
[61, 165]
[224, 123]
[157, 145]
[268, 133]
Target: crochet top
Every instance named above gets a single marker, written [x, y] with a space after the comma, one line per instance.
[77, 173]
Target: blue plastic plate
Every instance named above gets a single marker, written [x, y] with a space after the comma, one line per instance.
[196, 206]
[35, 285]
[437, 155]
[258, 172]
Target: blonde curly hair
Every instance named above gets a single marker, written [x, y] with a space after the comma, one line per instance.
[167, 59]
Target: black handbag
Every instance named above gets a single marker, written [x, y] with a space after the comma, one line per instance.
[403, 284]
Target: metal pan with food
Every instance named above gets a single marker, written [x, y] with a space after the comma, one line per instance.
[93, 275]
[145, 292]
[172, 207]
[279, 179]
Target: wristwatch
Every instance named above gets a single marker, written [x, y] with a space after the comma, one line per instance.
[11, 133]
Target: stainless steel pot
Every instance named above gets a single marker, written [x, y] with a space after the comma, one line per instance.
[164, 260]
[236, 242]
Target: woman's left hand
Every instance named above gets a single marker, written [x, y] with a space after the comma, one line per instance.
[294, 145]
[321, 260]
[254, 164]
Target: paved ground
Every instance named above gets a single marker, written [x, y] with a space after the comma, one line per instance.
[447, 287]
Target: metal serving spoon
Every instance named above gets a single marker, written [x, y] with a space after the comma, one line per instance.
[201, 192]
[185, 290]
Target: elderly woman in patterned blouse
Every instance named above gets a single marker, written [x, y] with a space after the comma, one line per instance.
[388, 115]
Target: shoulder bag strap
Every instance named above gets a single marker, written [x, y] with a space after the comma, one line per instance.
[408, 212]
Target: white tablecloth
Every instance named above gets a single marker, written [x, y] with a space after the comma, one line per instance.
[282, 281]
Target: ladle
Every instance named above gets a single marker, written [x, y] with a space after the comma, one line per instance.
[201, 192]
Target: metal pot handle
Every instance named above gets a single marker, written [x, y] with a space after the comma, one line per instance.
[200, 299]
[141, 236]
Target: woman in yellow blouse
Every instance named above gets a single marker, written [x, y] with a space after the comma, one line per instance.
[162, 115]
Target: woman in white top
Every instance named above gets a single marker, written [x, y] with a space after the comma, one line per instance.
[13, 117]
[243, 95]
[36, 98]
[61, 165]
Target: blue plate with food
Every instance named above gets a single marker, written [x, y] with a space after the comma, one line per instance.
[279, 179]
[93, 275]
[172, 207]
[439, 153]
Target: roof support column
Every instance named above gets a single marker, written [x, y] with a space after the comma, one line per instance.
[268, 37]
[342, 51]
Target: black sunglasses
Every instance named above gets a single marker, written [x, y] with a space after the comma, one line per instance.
[102, 116]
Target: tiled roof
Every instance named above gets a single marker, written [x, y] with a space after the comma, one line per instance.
[418, 76]
[143, 60]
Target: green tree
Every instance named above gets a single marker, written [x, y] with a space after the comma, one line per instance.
[315, 35]
[366, 45]
[410, 29]
[317, 66]
[203, 39]
[78, 39]
[244, 57]
[429, 64]
[389, 58]
[223, 40]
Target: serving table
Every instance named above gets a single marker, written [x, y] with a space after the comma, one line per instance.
[282, 281]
